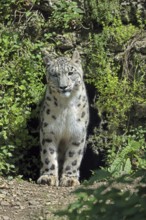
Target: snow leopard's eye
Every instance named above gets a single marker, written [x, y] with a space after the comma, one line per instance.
[70, 73]
[54, 75]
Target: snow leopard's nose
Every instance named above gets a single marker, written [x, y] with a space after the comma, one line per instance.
[63, 87]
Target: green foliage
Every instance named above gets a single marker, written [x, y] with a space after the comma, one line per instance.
[104, 12]
[21, 76]
[66, 15]
[130, 153]
[124, 153]
[113, 92]
[118, 34]
[120, 84]
[5, 154]
[139, 17]
[116, 96]
[120, 198]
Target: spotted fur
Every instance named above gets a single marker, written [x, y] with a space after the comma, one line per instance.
[64, 121]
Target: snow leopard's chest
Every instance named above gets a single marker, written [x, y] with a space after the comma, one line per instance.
[65, 116]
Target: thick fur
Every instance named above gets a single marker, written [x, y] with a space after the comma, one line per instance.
[64, 121]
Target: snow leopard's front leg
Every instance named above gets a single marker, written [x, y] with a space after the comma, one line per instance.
[73, 158]
[49, 170]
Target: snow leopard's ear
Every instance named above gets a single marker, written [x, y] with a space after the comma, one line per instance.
[76, 57]
[46, 57]
[47, 60]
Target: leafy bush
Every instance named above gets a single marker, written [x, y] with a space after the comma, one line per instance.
[21, 77]
[66, 15]
[121, 198]
[112, 91]
[21, 83]
[119, 84]
[130, 153]
[103, 12]
[124, 153]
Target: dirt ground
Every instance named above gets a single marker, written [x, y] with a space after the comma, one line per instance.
[23, 200]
